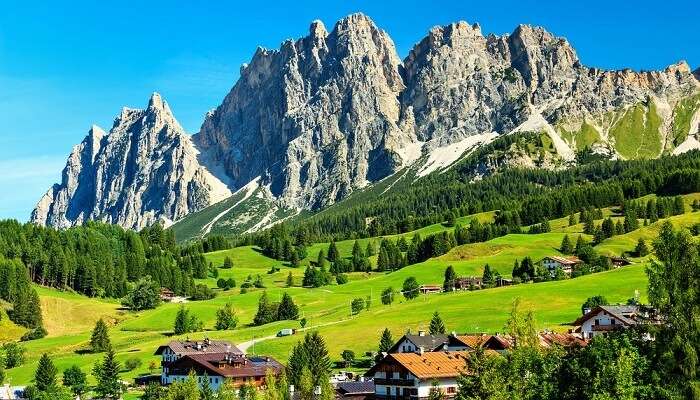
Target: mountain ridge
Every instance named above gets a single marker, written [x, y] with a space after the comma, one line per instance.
[333, 112]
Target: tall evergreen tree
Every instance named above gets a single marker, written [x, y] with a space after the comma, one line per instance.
[287, 309]
[333, 254]
[99, 341]
[45, 375]
[106, 374]
[265, 313]
[386, 342]
[437, 326]
[448, 283]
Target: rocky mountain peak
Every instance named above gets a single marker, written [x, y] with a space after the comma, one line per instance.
[327, 114]
[317, 29]
[144, 170]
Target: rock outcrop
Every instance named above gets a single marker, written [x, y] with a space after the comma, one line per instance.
[144, 170]
[333, 112]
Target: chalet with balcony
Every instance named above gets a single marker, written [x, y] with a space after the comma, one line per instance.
[411, 376]
[567, 264]
[603, 319]
[215, 369]
[214, 361]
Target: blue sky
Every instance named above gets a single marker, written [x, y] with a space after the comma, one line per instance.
[65, 67]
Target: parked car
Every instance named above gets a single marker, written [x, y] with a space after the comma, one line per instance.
[286, 332]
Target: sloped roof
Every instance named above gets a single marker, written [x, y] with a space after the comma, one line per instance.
[427, 342]
[217, 364]
[438, 364]
[473, 340]
[624, 313]
[356, 387]
[185, 347]
[571, 260]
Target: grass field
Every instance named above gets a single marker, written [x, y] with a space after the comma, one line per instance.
[69, 317]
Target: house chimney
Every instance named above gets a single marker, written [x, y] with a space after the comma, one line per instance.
[421, 333]
[586, 310]
[421, 350]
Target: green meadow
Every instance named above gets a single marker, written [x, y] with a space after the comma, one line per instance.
[69, 317]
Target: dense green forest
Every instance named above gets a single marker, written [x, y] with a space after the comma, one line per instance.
[523, 197]
[95, 260]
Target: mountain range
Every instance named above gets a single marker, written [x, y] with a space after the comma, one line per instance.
[336, 112]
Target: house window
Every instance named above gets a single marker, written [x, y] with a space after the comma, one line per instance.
[388, 390]
[451, 390]
[596, 322]
[612, 322]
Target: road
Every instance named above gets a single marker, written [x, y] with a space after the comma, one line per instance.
[246, 345]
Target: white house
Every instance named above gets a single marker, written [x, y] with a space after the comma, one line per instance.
[415, 343]
[603, 319]
[567, 264]
[413, 375]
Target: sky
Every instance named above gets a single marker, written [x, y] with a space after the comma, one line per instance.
[67, 65]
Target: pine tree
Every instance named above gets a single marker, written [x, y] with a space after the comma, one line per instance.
[386, 342]
[369, 252]
[298, 360]
[294, 260]
[436, 325]
[265, 314]
[566, 246]
[317, 353]
[487, 278]
[448, 284]
[290, 279]
[572, 219]
[107, 375]
[287, 310]
[45, 375]
[321, 260]
[333, 254]
[306, 384]
[99, 341]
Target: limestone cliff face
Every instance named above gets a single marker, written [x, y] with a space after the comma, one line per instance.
[144, 170]
[330, 113]
[317, 118]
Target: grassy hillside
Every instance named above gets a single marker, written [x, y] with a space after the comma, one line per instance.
[69, 318]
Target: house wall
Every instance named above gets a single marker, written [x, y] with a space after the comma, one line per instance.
[214, 381]
[587, 328]
[406, 346]
[421, 388]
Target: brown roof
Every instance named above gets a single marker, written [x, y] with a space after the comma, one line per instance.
[474, 340]
[561, 339]
[226, 365]
[571, 260]
[186, 347]
[502, 342]
[439, 364]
